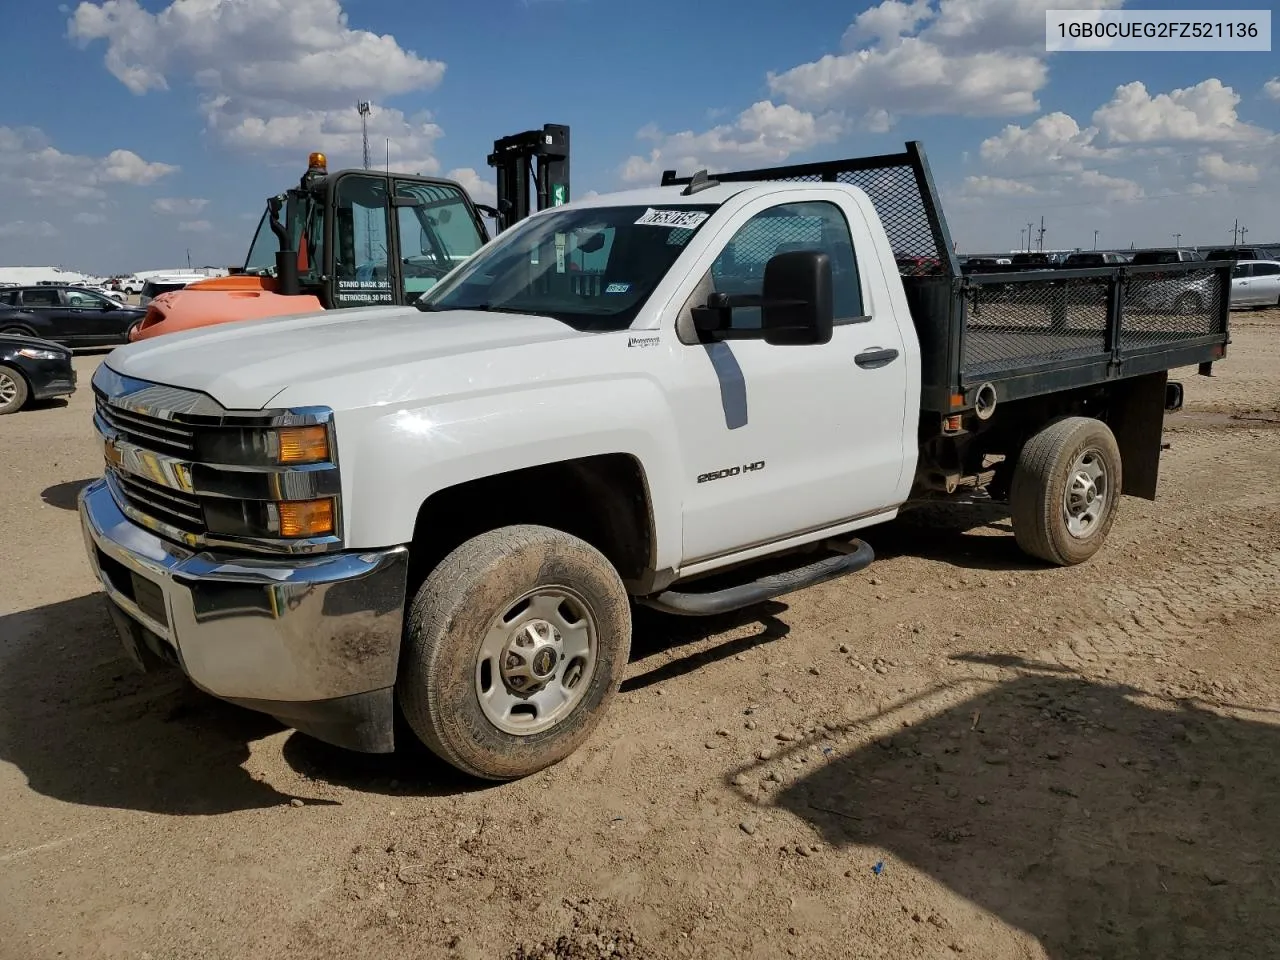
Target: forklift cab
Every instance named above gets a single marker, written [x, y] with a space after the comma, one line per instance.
[364, 237]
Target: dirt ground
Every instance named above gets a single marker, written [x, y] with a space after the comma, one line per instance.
[958, 753]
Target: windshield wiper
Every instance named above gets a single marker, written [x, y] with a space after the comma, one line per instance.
[478, 307]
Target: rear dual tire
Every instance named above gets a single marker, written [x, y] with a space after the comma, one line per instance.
[515, 644]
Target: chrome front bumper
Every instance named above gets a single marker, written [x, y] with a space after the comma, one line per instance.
[313, 640]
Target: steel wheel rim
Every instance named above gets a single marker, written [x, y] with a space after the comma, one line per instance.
[521, 689]
[1087, 493]
[8, 389]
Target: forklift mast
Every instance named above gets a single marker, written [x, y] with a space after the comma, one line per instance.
[542, 154]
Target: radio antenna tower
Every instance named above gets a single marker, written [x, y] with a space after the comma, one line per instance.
[363, 109]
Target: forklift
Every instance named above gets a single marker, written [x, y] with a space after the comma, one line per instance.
[357, 237]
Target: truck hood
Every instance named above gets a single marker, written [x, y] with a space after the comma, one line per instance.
[244, 365]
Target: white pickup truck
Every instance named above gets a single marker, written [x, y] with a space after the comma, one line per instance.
[448, 508]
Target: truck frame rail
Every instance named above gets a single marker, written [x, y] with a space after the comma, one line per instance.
[1023, 332]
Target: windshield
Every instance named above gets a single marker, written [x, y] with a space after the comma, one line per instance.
[304, 223]
[592, 268]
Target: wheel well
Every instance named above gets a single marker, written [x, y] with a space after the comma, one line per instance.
[602, 499]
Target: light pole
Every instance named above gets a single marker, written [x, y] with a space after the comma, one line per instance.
[1177, 239]
[1095, 239]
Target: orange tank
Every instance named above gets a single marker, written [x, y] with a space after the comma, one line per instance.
[219, 300]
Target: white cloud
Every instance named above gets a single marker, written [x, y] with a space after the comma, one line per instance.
[1217, 167]
[997, 186]
[763, 133]
[30, 165]
[886, 21]
[179, 206]
[273, 75]
[1204, 113]
[25, 230]
[339, 134]
[482, 190]
[1000, 25]
[1272, 88]
[1053, 142]
[195, 226]
[918, 77]
[967, 57]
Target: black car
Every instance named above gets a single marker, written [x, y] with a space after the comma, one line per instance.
[33, 369]
[70, 315]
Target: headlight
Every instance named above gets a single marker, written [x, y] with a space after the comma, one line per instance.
[267, 447]
[271, 519]
[35, 353]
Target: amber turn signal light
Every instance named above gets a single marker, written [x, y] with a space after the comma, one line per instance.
[303, 444]
[305, 518]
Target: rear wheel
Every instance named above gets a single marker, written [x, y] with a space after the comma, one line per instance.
[515, 644]
[1066, 490]
[13, 390]
[18, 331]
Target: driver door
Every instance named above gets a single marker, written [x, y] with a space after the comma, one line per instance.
[90, 319]
[436, 232]
[780, 441]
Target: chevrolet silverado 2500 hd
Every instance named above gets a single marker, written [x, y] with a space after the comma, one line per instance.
[690, 396]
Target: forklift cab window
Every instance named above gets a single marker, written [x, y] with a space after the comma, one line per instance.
[436, 234]
[361, 261]
[262, 252]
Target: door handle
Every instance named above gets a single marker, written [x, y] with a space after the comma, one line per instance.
[875, 357]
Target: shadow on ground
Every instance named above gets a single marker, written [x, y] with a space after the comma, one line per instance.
[85, 727]
[1103, 822]
[975, 536]
[63, 495]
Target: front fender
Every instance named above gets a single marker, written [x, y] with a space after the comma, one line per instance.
[393, 458]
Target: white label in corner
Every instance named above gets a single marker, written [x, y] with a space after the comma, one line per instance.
[685, 219]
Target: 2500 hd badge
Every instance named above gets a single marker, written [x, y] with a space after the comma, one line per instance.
[731, 471]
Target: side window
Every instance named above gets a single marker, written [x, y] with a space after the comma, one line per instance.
[1241, 270]
[1266, 269]
[435, 236]
[79, 298]
[40, 298]
[812, 225]
[362, 262]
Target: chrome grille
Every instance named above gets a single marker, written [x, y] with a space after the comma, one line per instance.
[153, 433]
[179, 510]
[195, 472]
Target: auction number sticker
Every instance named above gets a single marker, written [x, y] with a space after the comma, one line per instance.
[685, 219]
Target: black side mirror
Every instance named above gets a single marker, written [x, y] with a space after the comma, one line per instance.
[797, 304]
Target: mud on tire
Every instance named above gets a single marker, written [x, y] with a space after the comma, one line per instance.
[504, 612]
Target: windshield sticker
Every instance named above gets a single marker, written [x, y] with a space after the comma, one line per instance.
[617, 288]
[687, 219]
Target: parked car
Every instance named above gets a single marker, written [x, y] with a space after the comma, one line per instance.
[33, 369]
[447, 508]
[1243, 253]
[1171, 255]
[154, 286]
[1093, 258]
[70, 315]
[1256, 283]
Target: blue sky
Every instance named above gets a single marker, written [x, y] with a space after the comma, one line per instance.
[158, 126]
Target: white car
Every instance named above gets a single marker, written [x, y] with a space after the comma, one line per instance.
[1255, 283]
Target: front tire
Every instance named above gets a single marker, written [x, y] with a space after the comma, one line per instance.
[13, 390]
[514, 646]
[1066, 490]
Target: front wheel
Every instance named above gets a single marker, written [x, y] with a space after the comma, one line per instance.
[1066, 490]
[13, 391]
[514, 646]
